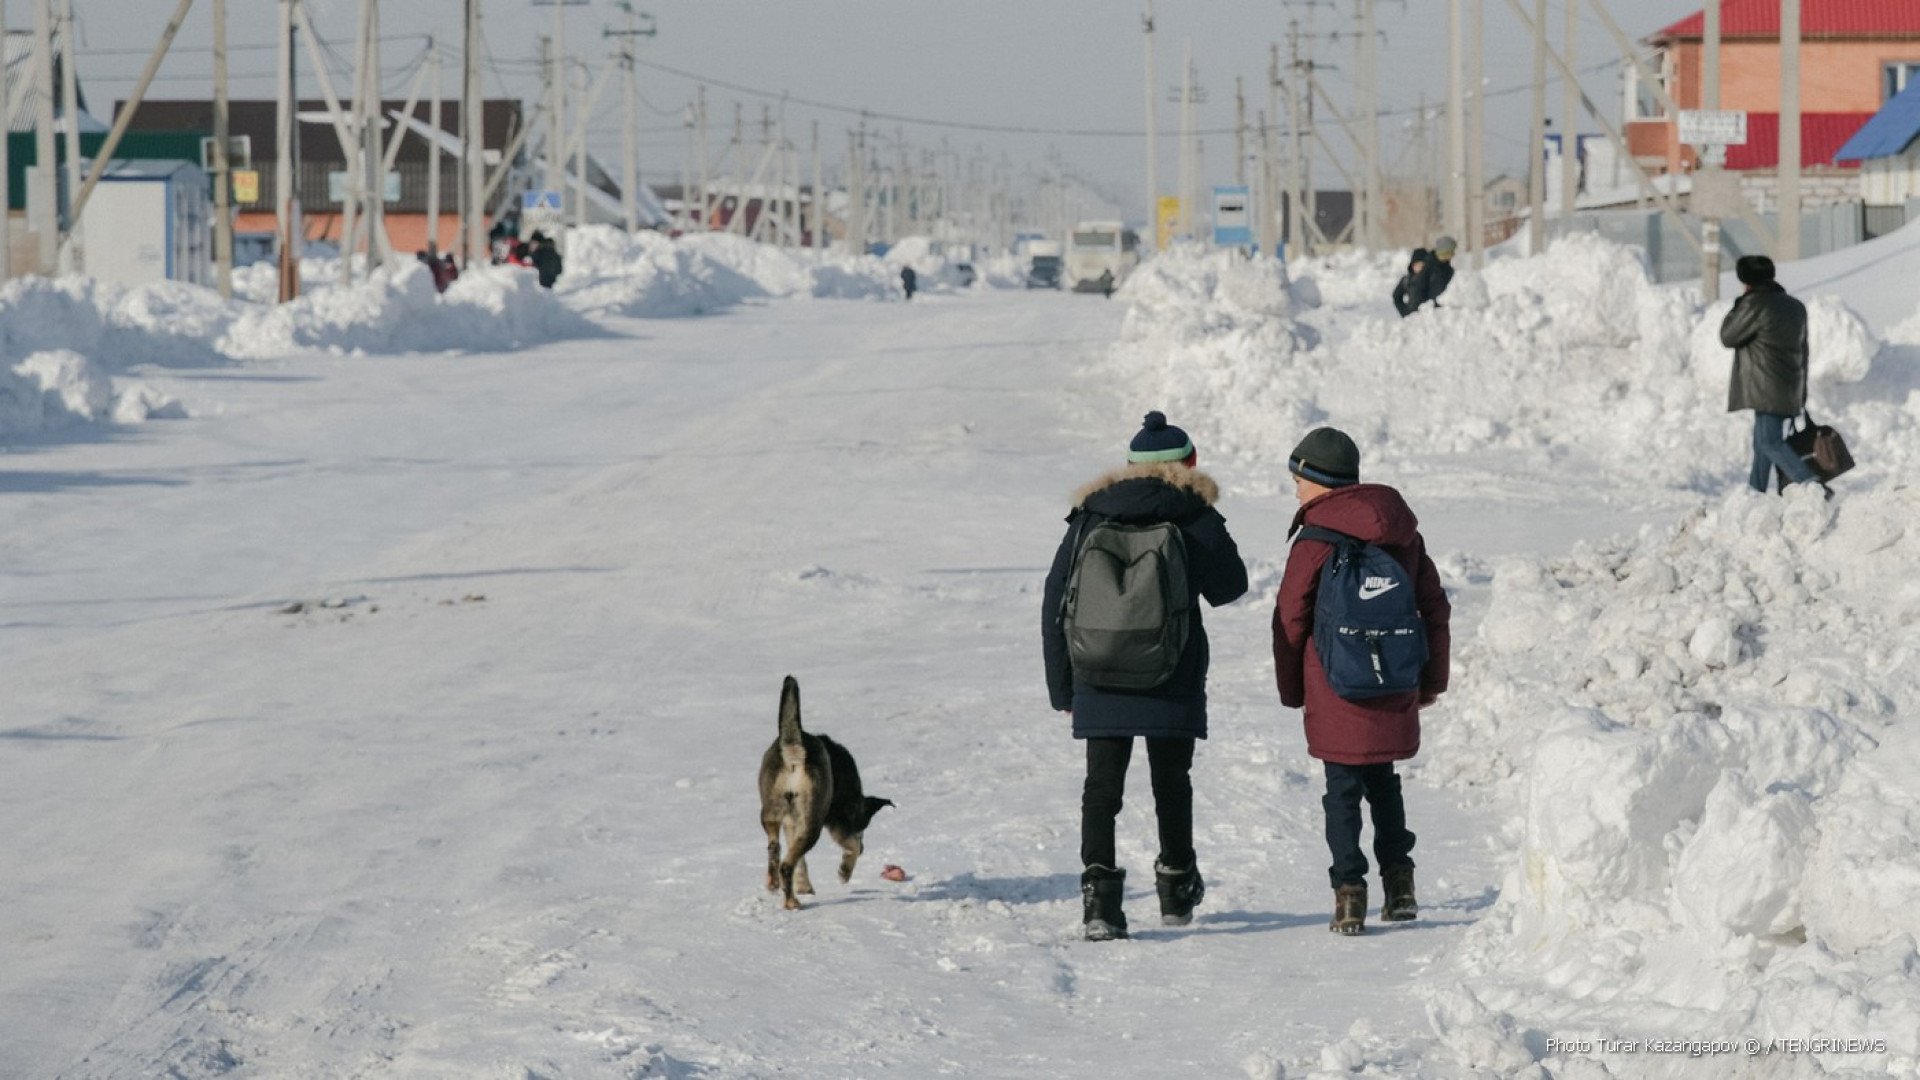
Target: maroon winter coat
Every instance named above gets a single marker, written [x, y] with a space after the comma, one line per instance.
[1379, 729]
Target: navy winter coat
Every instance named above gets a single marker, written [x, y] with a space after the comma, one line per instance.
[1146, 495]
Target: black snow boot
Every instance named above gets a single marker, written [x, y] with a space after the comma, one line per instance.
[1101, 890]
[1349, 909]
[1398, 905]
[1180, 892]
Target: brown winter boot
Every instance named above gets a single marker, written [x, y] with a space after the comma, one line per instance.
[1349, 909]
[1398, 905]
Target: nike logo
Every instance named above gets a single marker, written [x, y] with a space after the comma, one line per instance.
[1377, 586]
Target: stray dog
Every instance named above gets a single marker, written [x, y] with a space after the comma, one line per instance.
[809, 782]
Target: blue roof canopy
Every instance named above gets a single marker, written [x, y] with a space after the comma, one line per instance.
[1891, 130]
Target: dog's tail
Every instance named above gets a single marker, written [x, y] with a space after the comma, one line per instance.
[790, 712]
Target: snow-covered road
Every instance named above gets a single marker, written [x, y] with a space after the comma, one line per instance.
[484, 806]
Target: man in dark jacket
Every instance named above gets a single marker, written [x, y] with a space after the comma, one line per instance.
[1356, 741]
[1159, 484]
[545, 258]
[908, 281]
[1767, 331]
[1428, 275]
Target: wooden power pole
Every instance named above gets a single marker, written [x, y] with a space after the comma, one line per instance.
[222, 167]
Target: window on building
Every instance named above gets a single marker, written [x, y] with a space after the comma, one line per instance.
[1643, 97]
[1895, 77]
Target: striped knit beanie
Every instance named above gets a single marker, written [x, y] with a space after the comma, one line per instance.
[1327, 457]
[1159, 441]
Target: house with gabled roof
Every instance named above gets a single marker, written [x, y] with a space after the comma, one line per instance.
[1855, 55]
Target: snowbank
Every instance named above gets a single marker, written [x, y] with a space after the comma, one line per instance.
[65, 340]
[1211, 339]
[396, 310]
[1588, 357]
[649, 275]
[1717, 807]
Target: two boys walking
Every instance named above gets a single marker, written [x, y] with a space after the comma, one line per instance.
[1148, 537]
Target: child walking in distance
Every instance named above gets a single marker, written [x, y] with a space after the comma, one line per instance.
[1360, 642]
[1126, 654]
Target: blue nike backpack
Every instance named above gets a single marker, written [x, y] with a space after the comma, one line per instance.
[1366, 620]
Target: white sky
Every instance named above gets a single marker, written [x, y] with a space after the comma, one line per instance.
[1050, 64]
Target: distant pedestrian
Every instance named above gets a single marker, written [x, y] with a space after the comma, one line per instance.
[1126, 655]
[1428, 275]
[545, 258]
[908, 280]
[1358, 733]
[1106, 283]
[1767, 331]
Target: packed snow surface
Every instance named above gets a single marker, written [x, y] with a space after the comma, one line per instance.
[397, 711]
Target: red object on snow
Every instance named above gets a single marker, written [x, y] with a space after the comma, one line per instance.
[893, 873]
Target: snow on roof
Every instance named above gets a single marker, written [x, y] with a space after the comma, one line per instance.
[1891, 130]
[1818, 19]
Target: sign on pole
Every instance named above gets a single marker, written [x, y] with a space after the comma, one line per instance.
[246, 186]
[533, 201]
[1232, 224]
[337, 187]
[1713, 127]
[1166, 218]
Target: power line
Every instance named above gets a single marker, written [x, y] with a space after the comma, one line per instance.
[1011, 129]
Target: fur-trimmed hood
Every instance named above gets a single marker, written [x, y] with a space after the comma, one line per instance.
[1152, 491]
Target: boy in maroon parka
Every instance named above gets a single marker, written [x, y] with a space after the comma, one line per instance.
[1357, 741]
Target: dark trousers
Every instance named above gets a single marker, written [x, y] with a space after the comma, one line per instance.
[1168, 761]
[1392, 843]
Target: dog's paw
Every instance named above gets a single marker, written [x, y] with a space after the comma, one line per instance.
[791, 904]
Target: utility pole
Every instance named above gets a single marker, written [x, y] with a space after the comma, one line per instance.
[433, 148]
[1570, 112]
[1536, 154]
[1368, 85]
[70, 113]
[1266, 201]
[1789, 248]
[222, 168]
[1239, 130]
[1297, 230]
[556, 153]
[1153, 138]
[473, 144]
[6, 164]
[1456, 197]
[819, 214]
[47, 220]
[1713, 156]
[374, 120]
[285, 168]
[700, 113]
[1477, 161]
[629, 132]
[581, 108]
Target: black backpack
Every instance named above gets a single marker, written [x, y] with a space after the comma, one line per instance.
[1127, 606]
[1366, 620]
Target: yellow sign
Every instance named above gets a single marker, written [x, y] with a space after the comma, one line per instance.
[1166, 220]
[246, 185]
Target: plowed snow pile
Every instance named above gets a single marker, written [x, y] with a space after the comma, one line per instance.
[396, 310]
[1718, 828]
[652, 276]
[1714, 803]
[1572, 353]
[63, 342]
